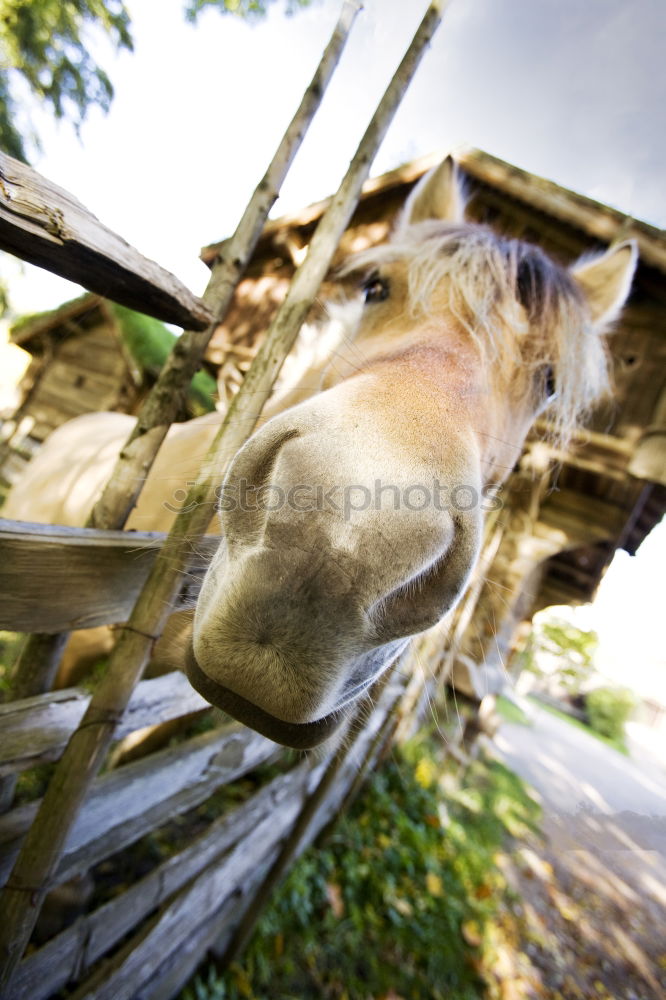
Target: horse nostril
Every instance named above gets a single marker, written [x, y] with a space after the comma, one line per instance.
[243, 514]
[257, 465]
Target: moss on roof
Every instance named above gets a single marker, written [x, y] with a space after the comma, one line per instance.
[22, 324]
[147, 340]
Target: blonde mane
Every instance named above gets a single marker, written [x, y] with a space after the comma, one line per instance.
[519, 306]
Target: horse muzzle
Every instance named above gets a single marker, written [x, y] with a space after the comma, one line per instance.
[299, 735]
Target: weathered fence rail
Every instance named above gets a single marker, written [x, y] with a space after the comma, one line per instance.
[76, 949]
[141, 964]
[189, 892]
[45, 225]
[35, 730]
[54, 577]
[128, 802]
[208, 893]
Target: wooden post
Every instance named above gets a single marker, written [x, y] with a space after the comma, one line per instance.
[25, 890]
[34, 673]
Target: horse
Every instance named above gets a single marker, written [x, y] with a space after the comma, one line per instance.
[352, 518]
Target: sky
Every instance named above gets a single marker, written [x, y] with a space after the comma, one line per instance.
[573, 90]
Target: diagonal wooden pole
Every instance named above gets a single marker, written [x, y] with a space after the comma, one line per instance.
[36, 668]
[166, 399]
[41, 851]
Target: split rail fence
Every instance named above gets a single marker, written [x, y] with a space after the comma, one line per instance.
[146, 941]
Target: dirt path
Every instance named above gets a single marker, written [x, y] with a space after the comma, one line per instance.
[595, 891]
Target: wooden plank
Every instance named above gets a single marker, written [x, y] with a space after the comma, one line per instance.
[73, 952]
[35, 730]
[41, 430]
[38, 410]
[180, 930]
[44, 224]
[583, 519]
[55, 578]
[191, 911]
[181, 927]
[179, 967]
[102, 362]
[63, 377]
[70, 402]
[131, 801]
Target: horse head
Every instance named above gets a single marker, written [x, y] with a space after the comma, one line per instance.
[353, 520]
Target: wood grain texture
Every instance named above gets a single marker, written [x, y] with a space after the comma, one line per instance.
[35, 730]
[181, 928]
[45, 225]
[75, 950]
[125, 804]
[55, 578]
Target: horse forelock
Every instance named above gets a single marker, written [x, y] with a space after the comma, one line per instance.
[520, 306]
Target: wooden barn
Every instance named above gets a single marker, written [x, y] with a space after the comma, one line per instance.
[564, 514]
[89, 354]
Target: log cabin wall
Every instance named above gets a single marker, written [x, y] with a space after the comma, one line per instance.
[83, 360]
[79, 365]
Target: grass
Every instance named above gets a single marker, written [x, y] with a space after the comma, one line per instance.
[10, 646]
[403, 899]
[150, 342]
[511, 712]
[618, 745]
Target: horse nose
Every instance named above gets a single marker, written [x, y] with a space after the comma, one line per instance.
[269, 617]
[327, 563]
[242, 506]
[352, 509]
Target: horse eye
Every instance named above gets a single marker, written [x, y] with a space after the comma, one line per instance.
[549, 384]
[376, 289]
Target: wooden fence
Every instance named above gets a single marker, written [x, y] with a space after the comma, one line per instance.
[206, 893]
[195, 898]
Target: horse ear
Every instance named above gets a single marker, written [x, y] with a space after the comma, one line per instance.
[606, 280]
[438, 195]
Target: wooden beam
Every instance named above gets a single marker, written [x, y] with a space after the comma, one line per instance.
[35, 730]
[584, 519]
[129, 802]
[74, 951]
[592, 217]
[45, 225]
[56, 578]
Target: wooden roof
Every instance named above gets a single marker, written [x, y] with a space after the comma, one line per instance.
[596, 220]
[29, 332]
[143, 341]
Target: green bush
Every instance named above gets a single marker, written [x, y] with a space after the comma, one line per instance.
[608, 708]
